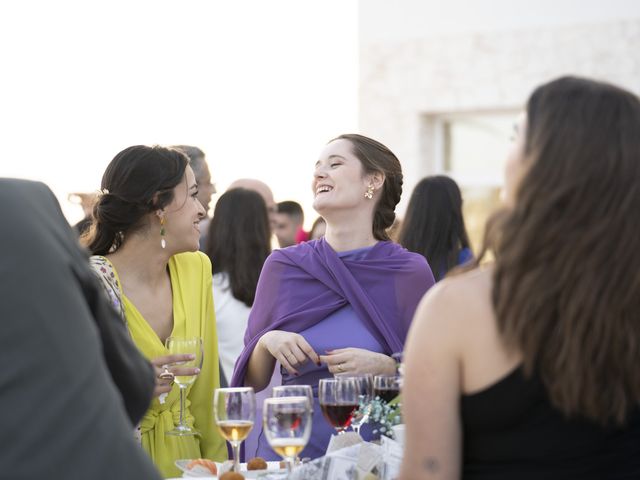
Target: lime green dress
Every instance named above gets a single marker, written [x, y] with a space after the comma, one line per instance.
[193, 316]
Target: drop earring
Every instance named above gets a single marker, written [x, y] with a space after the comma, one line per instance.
[369, 193]
[163, 242]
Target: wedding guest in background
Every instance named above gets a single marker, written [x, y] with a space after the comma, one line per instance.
[206, 188]
[264, 190]
[317, 229]
[85, 200]
[144, 240]
[528, 368]
[73, 382]
[434, 226]
[353, 281]
[239, 243]
[289, 222]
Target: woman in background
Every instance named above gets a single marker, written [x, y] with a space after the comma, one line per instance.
[434, 226]
[144, 239]
[239, 241]
[528, 368]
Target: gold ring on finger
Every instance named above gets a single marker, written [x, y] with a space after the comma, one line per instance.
[166, 375]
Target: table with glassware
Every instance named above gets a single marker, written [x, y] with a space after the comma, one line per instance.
[347, 401]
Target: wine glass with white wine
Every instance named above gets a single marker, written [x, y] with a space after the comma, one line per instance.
[193, 346]
[235, 411]
[287, 426]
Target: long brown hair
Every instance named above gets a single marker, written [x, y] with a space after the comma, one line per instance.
[239, 240]
[566, 289]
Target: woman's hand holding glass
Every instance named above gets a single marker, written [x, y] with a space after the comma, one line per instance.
[287, 426]
[183, 373]
[235, 411]
[167, 367]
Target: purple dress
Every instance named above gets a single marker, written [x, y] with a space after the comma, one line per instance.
[363, 298]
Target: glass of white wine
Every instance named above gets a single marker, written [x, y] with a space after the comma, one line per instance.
[235, 411]
[192, 345]
[287, 426]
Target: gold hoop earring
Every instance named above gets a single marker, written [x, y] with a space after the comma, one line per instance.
[369, 193]
[163, 242]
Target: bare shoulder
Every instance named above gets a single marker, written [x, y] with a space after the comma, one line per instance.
[455, 300]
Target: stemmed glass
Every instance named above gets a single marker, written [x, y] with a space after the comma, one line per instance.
[235, 410]
[338, 400]
[364, 386]
[294, 391]
[387, 387]
[287, 426]
[193, 346]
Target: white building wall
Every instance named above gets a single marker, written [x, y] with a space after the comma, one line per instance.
[420, 60]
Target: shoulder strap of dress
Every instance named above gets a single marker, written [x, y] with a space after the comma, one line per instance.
[104, 271]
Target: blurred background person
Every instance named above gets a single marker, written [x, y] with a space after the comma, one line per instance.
[433, 225]
[528, 368]
[354, 281]
[317, 229]
[266, 193]
[289, 223]
[206, 188]
[145, 237]
[86, 201]
[239, 243]
[76, 382]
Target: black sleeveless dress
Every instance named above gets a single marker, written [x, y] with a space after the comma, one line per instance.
[511, 431]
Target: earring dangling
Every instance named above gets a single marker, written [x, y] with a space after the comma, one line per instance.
[369, 193]
[163, 242]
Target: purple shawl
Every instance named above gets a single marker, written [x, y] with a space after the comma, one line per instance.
[301, 285]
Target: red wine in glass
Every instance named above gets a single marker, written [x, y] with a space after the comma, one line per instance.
[387, 394]
[339, 415]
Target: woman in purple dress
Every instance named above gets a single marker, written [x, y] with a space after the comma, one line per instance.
[343, 303]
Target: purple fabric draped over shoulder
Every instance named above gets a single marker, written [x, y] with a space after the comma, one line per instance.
[300, 286]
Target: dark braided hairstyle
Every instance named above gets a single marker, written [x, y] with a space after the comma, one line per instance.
[138, 181]
[375, 157]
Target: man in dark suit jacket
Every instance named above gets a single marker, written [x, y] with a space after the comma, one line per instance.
[72, 384]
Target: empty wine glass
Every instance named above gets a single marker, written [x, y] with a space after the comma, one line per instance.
[294, 391]
[234, 410]
[338, 400]
[287, 426]
[364, 386]
[193, 346]
[387, 387]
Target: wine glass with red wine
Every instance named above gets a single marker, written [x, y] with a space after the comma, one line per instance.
[386, 387]
[338, 399]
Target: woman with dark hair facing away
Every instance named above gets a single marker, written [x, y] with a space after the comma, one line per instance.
[535, 374]
[434, 227]
[341, 304]
[239, 241]
[144, 239]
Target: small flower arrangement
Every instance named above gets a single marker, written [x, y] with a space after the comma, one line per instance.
[381, 413]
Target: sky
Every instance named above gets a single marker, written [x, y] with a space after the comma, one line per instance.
[260, 86]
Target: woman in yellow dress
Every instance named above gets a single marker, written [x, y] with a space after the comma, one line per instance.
[144, 238]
